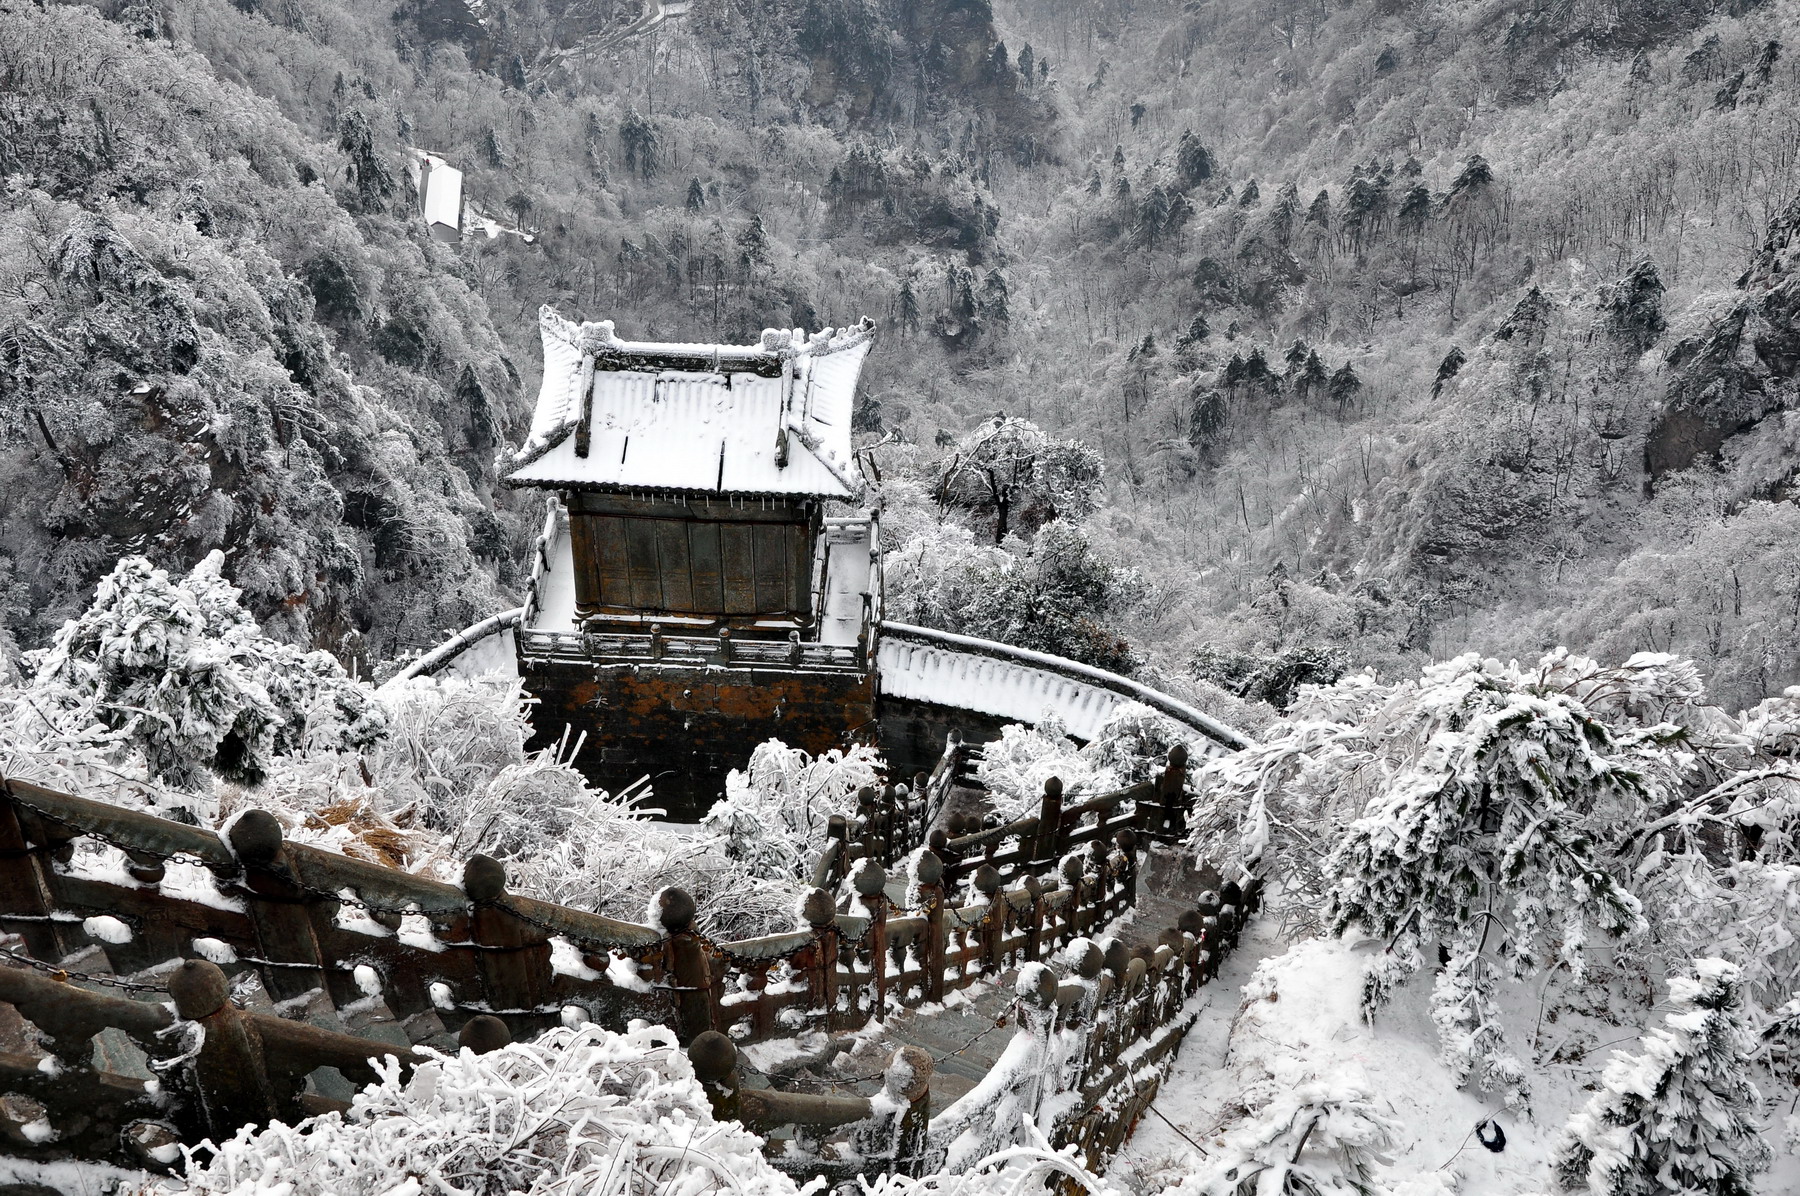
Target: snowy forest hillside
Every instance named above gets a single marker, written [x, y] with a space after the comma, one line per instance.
[1398, 329]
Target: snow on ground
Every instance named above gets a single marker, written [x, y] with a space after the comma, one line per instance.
[1303, 1023]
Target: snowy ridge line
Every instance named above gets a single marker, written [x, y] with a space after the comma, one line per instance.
[934, 666]
[434, 660]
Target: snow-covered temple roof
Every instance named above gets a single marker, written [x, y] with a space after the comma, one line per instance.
[770, 418]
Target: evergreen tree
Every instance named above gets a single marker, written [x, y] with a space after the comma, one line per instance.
[367, 170]
[753, 243]
[1027, 65]
[1448, 368]
[909, 305]
[1192, 161]
[642, 145]
[1313, 374]
[696, 195]
[1345, 386]
[1679, 1117]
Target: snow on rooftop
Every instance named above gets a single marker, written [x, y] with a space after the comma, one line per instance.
[769, 418]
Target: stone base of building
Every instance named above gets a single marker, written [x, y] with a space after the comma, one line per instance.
[686, 728]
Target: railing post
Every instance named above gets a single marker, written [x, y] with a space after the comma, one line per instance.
[928, 872]
[821, 980]
[1039, 912]
[1171, 794]
[229, 1071]
[715, 1060]
[993, 923]
[515, 960]
[277, 906]
[1074, 876]
[25, 890]
[1049, 831]
[687, 964]
[1125, 864]
[898, 1131]
[870, 882]
[1098, 868]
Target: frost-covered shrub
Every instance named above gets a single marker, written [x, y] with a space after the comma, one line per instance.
[1681, 1115]
[1015, 766]
[1132, 745]
[458, 769]
[576, 1110]
[176, 674]
[774, 814]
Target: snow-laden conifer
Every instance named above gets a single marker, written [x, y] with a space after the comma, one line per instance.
[1677, 1116]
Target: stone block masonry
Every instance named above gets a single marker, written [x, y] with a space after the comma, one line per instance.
[686, 728]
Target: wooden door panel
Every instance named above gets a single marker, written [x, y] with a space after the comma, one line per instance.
[738, 568]
[646, 575]
[674, 562]
[707, 568]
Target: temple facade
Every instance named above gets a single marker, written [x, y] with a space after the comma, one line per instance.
[707, 578]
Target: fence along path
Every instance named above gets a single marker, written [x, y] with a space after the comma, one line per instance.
[333, 960]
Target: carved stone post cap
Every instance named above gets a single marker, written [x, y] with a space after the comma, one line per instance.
[483, 1033]
[1127, 840]
[1053, 787]
[1118, 957]
[1087, 957]
[1163, 958]
[256, 837]
[1037, 984]
[929, 868]
[865, 796]
[1034, 887]
[1178, 754]
[987, 880]
[1134, 975]
[484, 878]
[675, 909]
[713, 1055]
[817, 909]
[199, 988]
[908, 1075]
[1072, 869]
[938, 839]
[1192, 922]
[837, 827]
[869, 878]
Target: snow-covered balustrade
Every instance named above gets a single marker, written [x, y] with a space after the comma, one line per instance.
[892, 823]
[1034, 846]
[959, 671]
[245, 1065]
[402, 959]
[1097, 1029]
[687, 651]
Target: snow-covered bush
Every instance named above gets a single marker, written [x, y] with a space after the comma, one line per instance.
[1132, 745]
[1015, 766]
[774, 814]
[1680, 1116]
[1297, 1098]
[576, 1110]
[174, 675]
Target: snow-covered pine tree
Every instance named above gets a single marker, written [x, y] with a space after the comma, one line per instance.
[1676, 1117]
